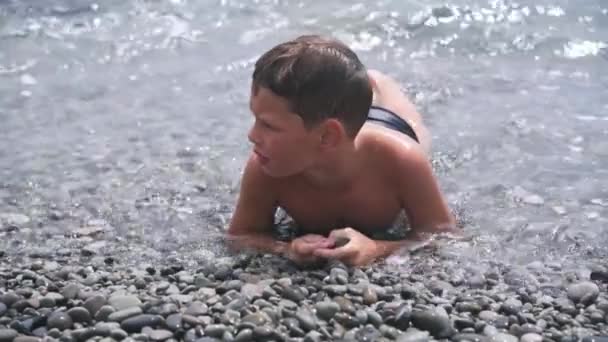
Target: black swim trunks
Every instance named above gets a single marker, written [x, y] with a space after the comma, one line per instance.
[391, 120]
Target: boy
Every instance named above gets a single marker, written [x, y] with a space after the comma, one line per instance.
[340, 167]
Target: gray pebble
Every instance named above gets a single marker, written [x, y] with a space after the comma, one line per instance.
[511, 306]
[135, 324]
[119, 316]
[197, 309]
[47, 302]
[435, 321]
[3, 309]
[255, 319]
[244, 335]
[79, 314]
[94, 303]
[468, 307]
[160, 335]
[27, 339]
[9, 299]
[403, 317]
[326, 309]
[337, 290]
[369, 296]
[531, 337]
[215, 330]
[413, 335]
[59, 320]
[103, 313]
[294, 294]
[7, 335]
[174, 322]
[502, 337]
[124, 302]
[468, 337]
[262, 332]
[70, 291]
[118, 334]
[306, 320]
[345, 305]
[313, 336]
[374, 318]
[346, 320]
[584, 292]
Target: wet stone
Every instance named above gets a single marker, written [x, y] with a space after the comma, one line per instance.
[135, 324]
[94, 303]
[103, 313]
[502, 337]
[70, 291]
[326, 310]
[369, 296]
[244, 335]
[174, 322]
[119, 316]
[434, 321]
[215, 330]
[160, 335]
[306, 320]
[468, 307]
[413, 335]
[293, 294]
[346, 320]
[254, 319]
[469, 337]
[531, 337]
[124, 302]
[511, 306]
[118, 334]
[368, 334]
[7, 335]
[9, 299]
[27, 339]
[79, 314]
[583, 292]
[59, 320]
[262, 332]
[197, 309]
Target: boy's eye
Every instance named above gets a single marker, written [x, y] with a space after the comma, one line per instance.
[267, 125]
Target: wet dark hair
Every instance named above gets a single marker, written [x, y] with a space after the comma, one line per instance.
[320, 77]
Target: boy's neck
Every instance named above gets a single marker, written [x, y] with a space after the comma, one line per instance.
[336, 170]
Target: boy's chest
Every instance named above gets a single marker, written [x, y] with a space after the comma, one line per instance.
[366, 207]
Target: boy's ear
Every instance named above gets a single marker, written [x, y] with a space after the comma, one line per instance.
[332, 133]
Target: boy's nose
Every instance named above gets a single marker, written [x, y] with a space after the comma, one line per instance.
[253, 136]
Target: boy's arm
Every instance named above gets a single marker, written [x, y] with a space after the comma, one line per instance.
[423, 202]
[253, 218]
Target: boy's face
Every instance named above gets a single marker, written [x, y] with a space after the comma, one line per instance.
[282, 143]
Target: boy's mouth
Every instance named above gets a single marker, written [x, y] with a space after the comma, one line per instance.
[263, 159]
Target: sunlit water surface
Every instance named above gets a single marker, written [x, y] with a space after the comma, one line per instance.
[131, 116]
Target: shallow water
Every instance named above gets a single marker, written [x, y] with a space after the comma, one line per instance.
[132, 116]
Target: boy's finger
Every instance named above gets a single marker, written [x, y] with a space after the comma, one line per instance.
[333, 253]
[329, 253]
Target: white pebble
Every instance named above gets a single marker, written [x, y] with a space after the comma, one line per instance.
[26, 93]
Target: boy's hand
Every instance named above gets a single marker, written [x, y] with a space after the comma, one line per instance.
[301, 250]
[359, 250]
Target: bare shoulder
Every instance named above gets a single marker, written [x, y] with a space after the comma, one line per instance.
[256, 202]
[395, 152]
[408, 172]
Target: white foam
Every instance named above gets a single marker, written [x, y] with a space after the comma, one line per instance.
[582, 48]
